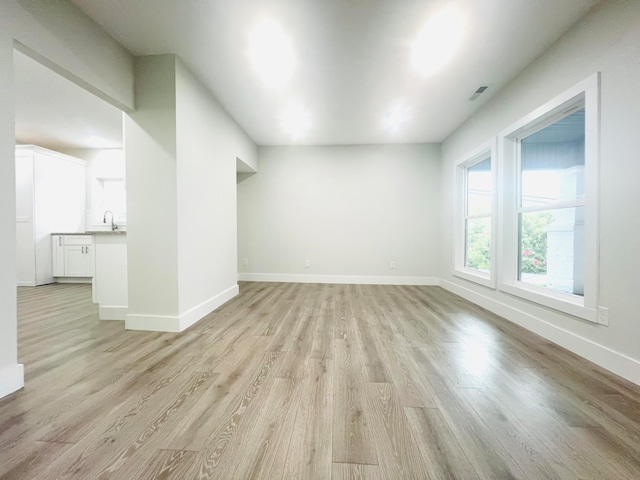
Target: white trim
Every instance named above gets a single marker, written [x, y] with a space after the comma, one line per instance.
[196, 313]
[475, 276]
[152, 323]
[11, 379]
[588, 93]
[111, 312]
[24, 150]
[73, 279]
[168, 323]
[588, 85]
[486, 149]
[25, 283]
[337, 279]
[615, 362]
[563, 302]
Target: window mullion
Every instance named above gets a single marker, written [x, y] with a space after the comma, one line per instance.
[552, 206]
[477, 215]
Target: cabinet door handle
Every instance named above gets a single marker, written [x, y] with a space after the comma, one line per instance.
[60, 240]
[83, 250]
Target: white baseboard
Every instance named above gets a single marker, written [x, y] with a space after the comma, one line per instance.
[24, 283]
[73, 279]
[605, 357]
[159, 323]
[152, 323]
[196, 313]
[342, 279]
[110, 312]
[11, 379]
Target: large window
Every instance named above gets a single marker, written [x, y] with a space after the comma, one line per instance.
[551, 205]
[474, 225]
[550, 164]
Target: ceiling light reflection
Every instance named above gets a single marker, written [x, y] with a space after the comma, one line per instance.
[396, 118]
[437, 41]
[271, 54]
[296, 121]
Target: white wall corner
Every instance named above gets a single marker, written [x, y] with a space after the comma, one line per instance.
[616, 362]
[161, 323]
[337, 279]
[112, 312]
[200, 311]
[11, 379]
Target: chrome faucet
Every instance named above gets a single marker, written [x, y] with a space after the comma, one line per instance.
[104, 220]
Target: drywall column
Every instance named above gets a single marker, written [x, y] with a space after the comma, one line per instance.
[209, 141]
[151, 169]
[181, 148]
[11, 374]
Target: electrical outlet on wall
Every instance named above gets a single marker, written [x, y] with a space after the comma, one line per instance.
[307, 264]
[392, 264]
[245, 262]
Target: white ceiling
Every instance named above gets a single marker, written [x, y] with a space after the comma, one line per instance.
[351, 66]
[351, 58]
[53, 112]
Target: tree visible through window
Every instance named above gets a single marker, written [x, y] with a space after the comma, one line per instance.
[551, 210]
[478, 199]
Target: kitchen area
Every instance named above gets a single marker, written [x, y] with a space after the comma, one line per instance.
[71, 218]
[71, 222]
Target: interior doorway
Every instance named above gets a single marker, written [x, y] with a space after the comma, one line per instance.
[70, 169]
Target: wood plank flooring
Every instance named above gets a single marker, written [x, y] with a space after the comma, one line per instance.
[303, 381]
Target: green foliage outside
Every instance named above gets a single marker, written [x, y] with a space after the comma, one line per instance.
[534, 243]
[479, 244]
[533, 258]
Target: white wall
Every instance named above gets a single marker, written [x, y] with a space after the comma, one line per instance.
[181, 149]
[59, 35]
[349, 210]
[101, 163]
[209, 141]
[11, 375]
[152, 223]
[607, 40]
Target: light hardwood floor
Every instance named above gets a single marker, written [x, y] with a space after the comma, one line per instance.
[310, 382]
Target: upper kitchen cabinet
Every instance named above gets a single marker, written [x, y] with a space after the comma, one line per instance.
[50, 198]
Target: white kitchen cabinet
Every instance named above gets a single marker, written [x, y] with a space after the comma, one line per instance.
[77, 262]
[50, 197]
[57, 255]
[110, 275]
[73, 256]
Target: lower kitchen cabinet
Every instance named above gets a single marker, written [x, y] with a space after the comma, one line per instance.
[72, 256]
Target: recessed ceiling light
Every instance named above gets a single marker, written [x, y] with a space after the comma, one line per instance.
[296, 121]
[437, 41]
[271, 53]
[396, 118]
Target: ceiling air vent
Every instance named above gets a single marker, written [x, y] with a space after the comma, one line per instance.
[478, 92]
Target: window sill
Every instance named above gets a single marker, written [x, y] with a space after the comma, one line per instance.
[474, 276]
[562, 302]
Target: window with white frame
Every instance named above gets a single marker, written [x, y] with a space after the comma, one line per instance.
[474, 221]
[550, 164]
